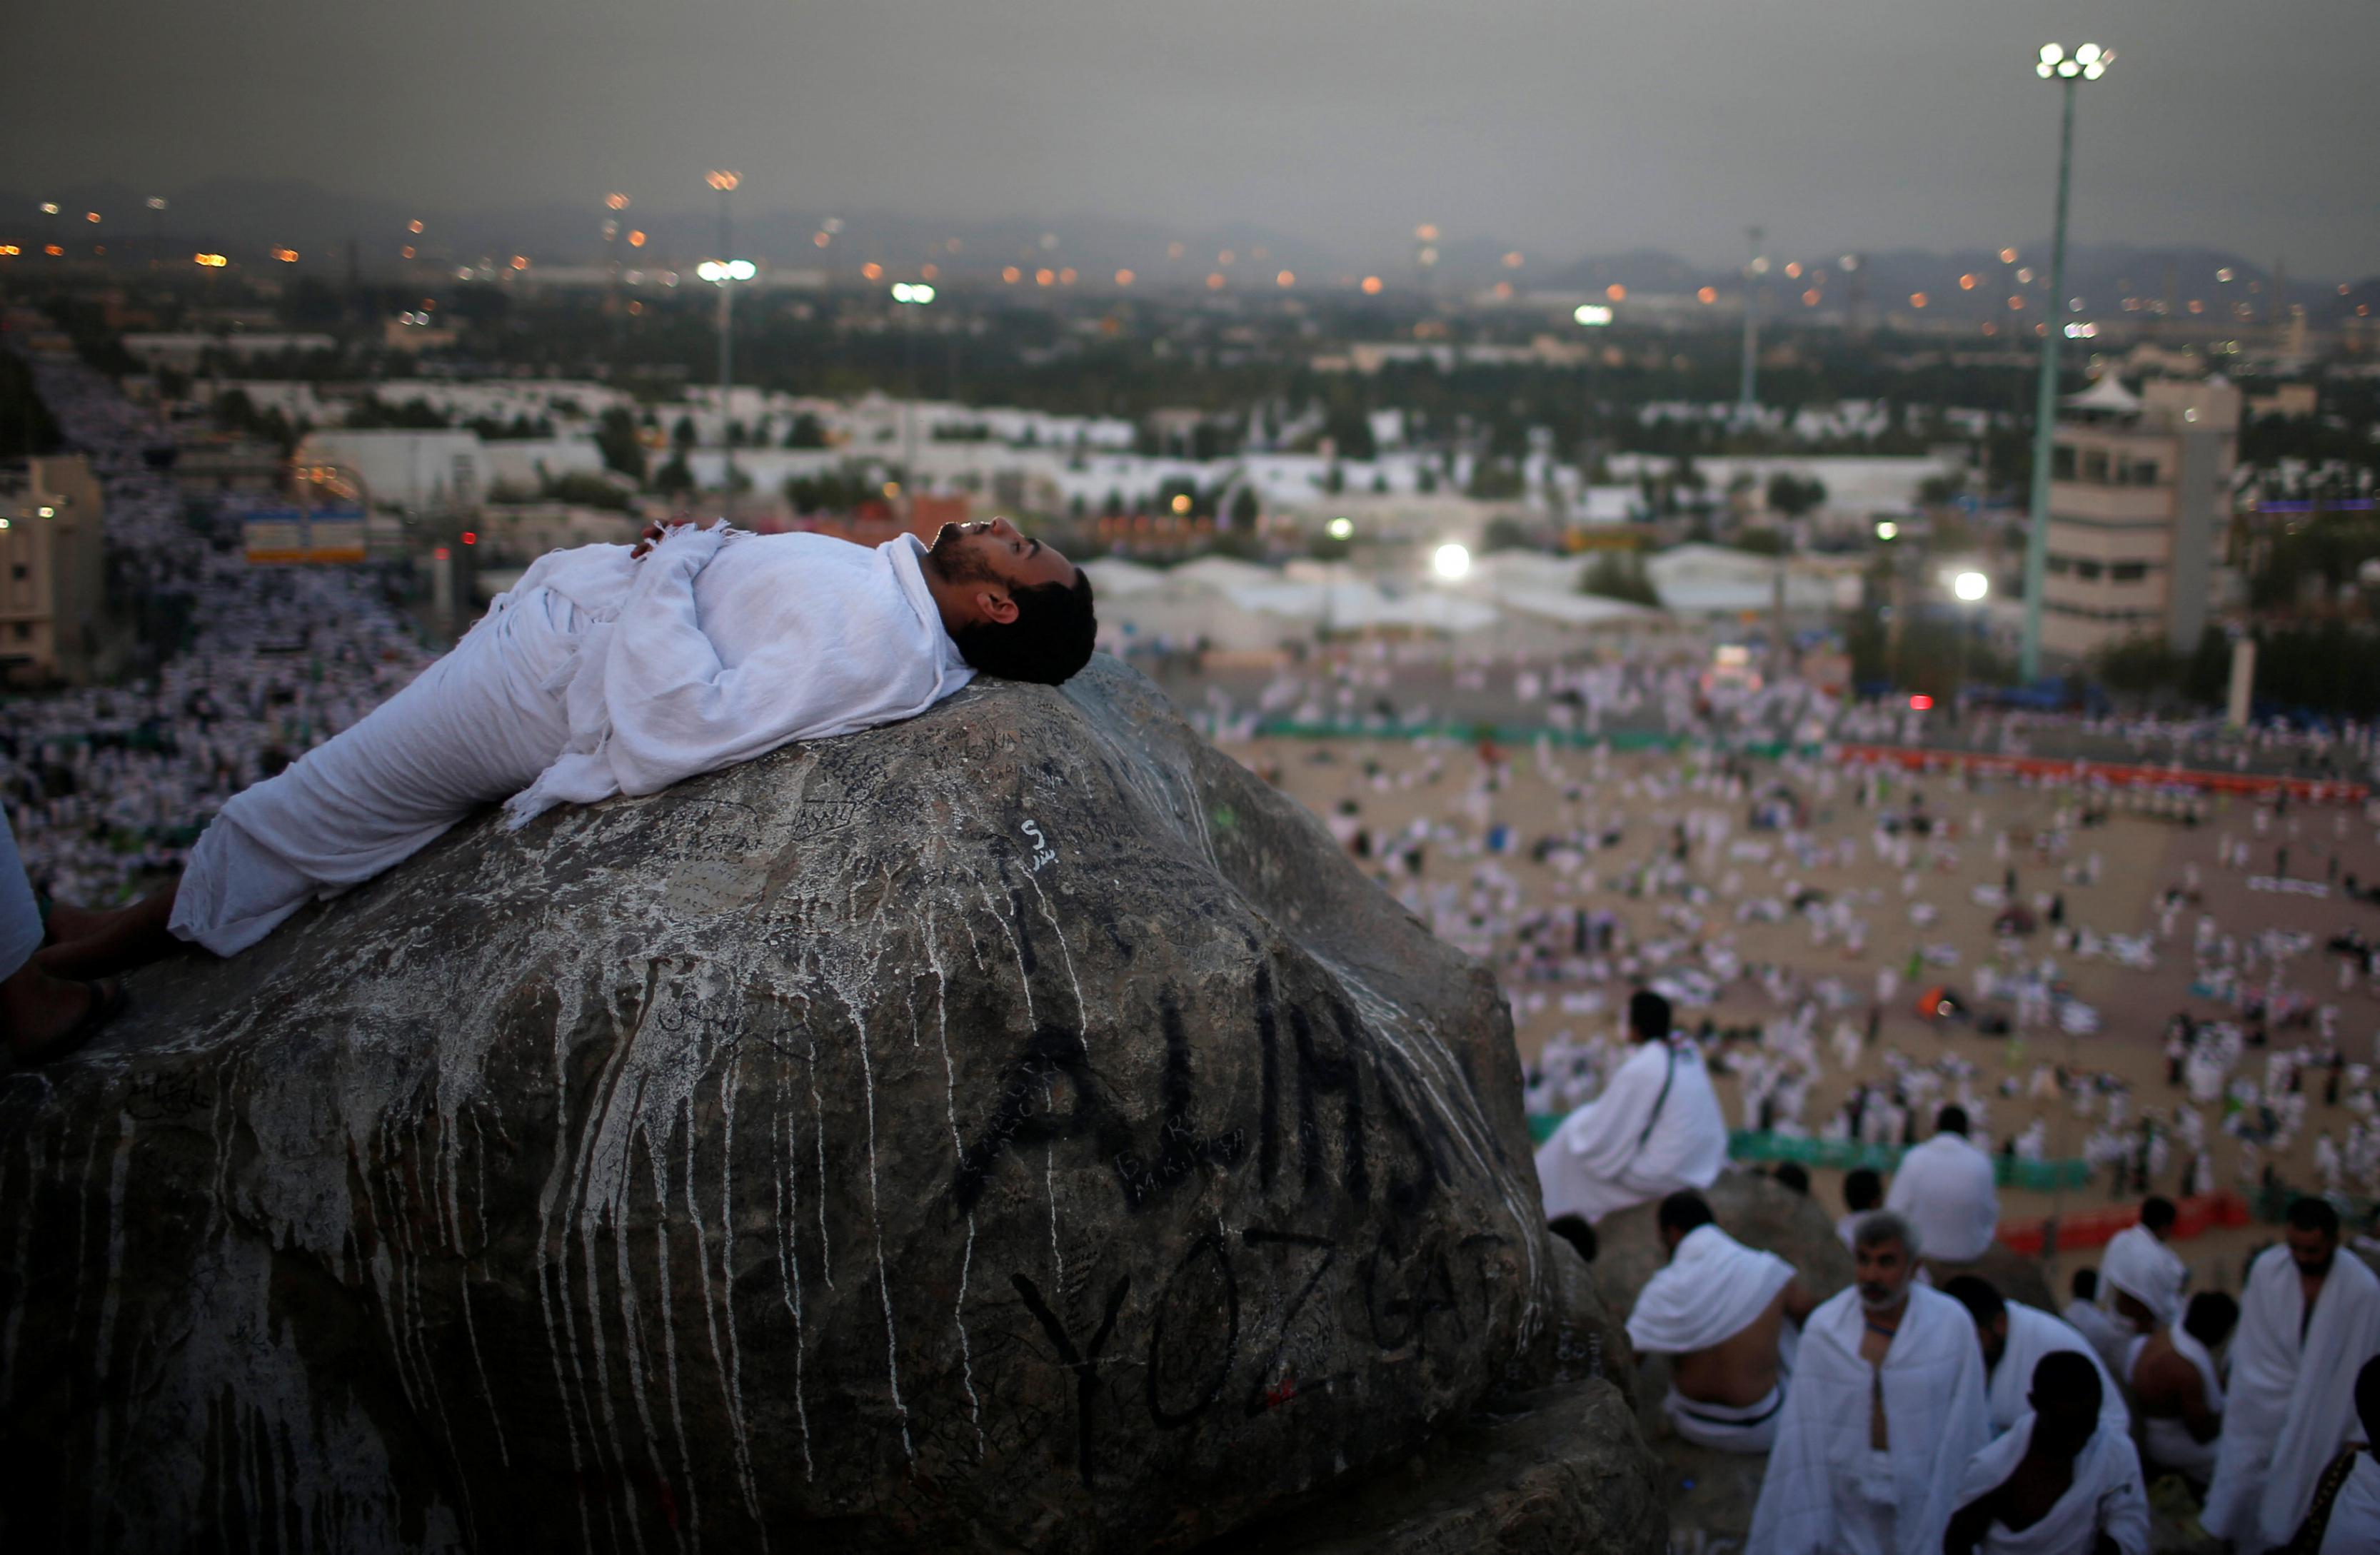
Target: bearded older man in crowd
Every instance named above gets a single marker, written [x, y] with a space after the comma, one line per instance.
[1886, 1406]
[2309, 1320]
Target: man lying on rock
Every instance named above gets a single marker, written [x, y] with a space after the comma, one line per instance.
[610, 670]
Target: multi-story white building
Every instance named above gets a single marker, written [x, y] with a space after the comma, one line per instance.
[53, 572]
[2138, 500]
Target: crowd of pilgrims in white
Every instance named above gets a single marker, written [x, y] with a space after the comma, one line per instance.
[1712, 842]
[108, 786]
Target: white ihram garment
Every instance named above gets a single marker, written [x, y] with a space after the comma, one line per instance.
[2354, 1527]
[1601, 1158]
[2034, 1333]
[1825, 1489]
[2109, 1337]
[597, 675]
[2292, 1404]
[1945, 1189]
[2168, 1441]
[1712, 1289]
[2144, 1268]
[2107, 1496]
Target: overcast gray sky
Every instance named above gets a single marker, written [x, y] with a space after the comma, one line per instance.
[1562, 126]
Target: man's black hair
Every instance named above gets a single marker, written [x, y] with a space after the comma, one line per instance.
[1648, 1014]
[2309, 1213]
[1574, 1230]
[1979, 1297]
[1791, 1174]
[2157, 1214]
[2069, 1374]
[1684, 1210]
[1952, 1120]
[2086, 1285]
[1862, 1189]
[1051, 638]
[2211, 1317]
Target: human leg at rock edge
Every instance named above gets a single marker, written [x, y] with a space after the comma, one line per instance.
[42, 1014]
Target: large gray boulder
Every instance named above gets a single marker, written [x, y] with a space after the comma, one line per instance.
[1018, 1128]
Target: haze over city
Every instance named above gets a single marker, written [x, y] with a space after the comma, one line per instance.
[1856, 124]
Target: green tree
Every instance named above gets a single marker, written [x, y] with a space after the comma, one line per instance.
[1246, 509]
[2138, 665]
[1794, 495]
[682, 436]
[588, 490]
[675, 476]
[616, 434]
[1619, 575]
[806, 432]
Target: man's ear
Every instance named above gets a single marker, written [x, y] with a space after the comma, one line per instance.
[996, 606]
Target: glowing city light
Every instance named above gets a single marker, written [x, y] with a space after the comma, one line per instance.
[1371, 286]
[1971, 586]
[722, 179]
[1592, 314]
[1181, 502]
[1887, 530]
[1341, 529]
[209, 262]
[918, 293]
[1451, 561]
[616, 201]
[1124, 277]
[1921, 703]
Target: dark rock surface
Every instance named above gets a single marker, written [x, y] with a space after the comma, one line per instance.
[2016, 1277]
[1016, 1128]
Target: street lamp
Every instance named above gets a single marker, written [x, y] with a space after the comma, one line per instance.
[725, 183]
[2086, 64]
[156, 203]
[1450, 561]
[1970, 587]
[910, 295]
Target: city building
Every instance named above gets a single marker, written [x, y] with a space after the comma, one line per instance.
[53, 572]
[2137, 509]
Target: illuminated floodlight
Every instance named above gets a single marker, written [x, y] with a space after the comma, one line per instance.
[1971, 586]
[1887, 530]
[2081, 331]
[2051, 54]
[900, 291]
[742, 270]
[711, 270]
[2087, 55]
[1592, 314]
[1451, 561]
[921, 294]
[1341, 529]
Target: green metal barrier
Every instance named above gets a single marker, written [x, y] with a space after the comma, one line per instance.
[1744, 1143]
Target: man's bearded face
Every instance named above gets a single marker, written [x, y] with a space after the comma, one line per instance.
[2312, 1250]
[956, 558]
[1882, 1270]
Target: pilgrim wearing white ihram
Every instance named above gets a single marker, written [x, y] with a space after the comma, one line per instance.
[2105, 1497]
[606, 671]
[1656, 1128]
[2292, 1398]
[1944, 1187]
[1712, 1289]
[2032, 1334]
[1828, 1491]
[2147, 1269]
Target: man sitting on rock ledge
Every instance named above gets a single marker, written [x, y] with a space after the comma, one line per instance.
[1886, 1407]
[609, 670]
[1718, 1309]
[1656, 1128]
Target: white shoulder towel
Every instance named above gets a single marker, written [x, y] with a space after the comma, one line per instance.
[1712, 1289]
[2292, 1405]
[1601, 1158]
[2354, 1527]
[2034, 1333]
[2109, 1338]
[718, 648]
[1944, 1188]
[2107, 1496]
[1935, 1416]
[2144, 1268]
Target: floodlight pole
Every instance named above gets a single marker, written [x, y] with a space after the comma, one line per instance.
[2045, 409]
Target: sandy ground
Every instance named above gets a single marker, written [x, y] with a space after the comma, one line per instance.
[2142, 856]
